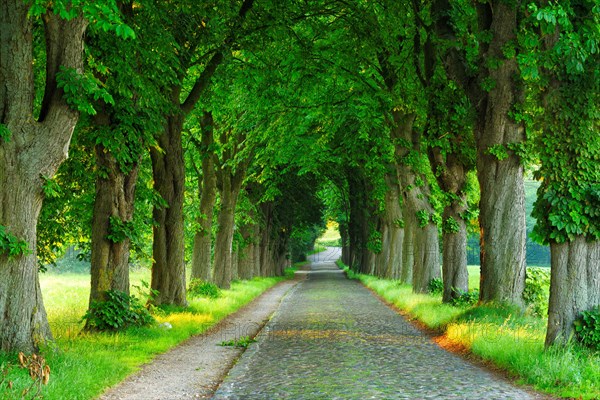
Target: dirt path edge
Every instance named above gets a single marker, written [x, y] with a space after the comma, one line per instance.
[195, 368]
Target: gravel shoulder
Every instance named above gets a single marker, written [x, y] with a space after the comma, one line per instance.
[194, 369]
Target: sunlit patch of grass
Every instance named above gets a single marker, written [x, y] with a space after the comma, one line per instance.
[503, 335]
[85, 364]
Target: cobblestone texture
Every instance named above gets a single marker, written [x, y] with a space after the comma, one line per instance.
[333, 339]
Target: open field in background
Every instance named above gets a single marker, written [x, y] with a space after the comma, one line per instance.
[83, 364]
[331, 236]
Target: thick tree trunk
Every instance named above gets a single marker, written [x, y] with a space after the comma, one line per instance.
[168, 168]
[256, 253]
[266, 267]
[224, 240]
[502, 221]
[451, 176]
[202, 253]
[395, 230]
[574, 286]
[358, 225]
[34, 150]
[454, 259]
[115, 197]
[408, 246]
[502, 205]
[23, 322]
[424, 252]
[381, 260]
[247, 258]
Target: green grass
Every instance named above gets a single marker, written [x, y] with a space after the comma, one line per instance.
[318, 249]
[331, 237]
[84, 364]
[505, 336]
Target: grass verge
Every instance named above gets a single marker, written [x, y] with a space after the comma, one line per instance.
[84, 364]
[502, 335]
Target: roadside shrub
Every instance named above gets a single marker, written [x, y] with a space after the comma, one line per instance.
[587, 328]
[535, 294]
[200, 288]
[118, 312]
[465, 299]
[436, 286]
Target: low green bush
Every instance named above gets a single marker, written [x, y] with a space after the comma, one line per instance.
[436, 286]
[119, 311]
[536, 290]
[465, 299]
[587, 328]
[200, 288]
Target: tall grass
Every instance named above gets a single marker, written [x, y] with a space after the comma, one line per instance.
[503, 335]
[84, 364]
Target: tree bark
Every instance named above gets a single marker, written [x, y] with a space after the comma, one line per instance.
[425, 241]
[229, 184]
[388, 262]
[454, 259]
[451, 178]
[115, 197]
[574, 286]
[224, 240]
[168, 170]
[408, 246]
[344, 237]
[34, 150]
[502, 205]
[426, 265]
[246, 259]
[358, 225]
[202, 253]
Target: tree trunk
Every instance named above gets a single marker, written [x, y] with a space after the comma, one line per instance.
[345, 243]
[115, 197]
[454, 260]
[426, 249]
[358, 225]
[502, 205]
[247, 258]
[34, 151]
[168, 169]
[451, 175]
[256, 254]
[408, 246]
[502, 222]
[229, 189]
[574, 286]
[24, 324]
[424, 236]
[202, 253]
[266, 268]
[393, 232]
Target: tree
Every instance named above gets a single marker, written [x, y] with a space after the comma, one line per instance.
[450, 148]
[564, 61]
[480, 55]
[197, 43]
[207, 190]
[121, 134]
[33, 146]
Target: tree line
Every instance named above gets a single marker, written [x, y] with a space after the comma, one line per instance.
[216, 134]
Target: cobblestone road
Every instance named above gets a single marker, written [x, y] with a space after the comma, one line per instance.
[333, 339]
